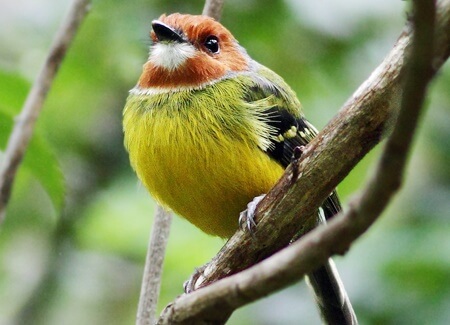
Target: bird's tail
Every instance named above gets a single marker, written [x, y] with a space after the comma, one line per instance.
[330, 295]
[329, 291]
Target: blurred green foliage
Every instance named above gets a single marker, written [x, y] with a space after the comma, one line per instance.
[39, 160]
[82, 261]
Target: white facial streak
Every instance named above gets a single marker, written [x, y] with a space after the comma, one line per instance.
[171, 55]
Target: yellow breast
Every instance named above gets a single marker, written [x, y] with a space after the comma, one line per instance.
[198, 158]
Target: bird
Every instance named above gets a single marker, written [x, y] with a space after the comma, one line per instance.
[208, 129]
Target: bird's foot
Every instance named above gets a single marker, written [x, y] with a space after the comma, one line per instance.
[247, 217]
[195, 280]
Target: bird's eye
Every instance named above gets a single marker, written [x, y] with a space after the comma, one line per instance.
[212, 44]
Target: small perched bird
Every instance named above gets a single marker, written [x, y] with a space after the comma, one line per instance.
[208, 129]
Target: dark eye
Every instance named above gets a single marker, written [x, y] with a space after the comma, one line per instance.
[212, 44]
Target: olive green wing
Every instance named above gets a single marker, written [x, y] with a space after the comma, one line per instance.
[290, 129]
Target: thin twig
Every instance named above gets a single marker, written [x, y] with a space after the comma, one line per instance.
[213, 8]
[217, 301]
[151, 281]
[23, 129]
[418, 73]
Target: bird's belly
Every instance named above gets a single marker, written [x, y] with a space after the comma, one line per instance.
[206, 178]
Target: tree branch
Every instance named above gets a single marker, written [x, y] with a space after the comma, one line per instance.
[213, 8]
[326, 161]
[23, 129]
[344, 141]
[151, 281]
[418, 73]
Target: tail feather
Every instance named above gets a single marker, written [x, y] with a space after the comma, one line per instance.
[329, 291]
[330, 295]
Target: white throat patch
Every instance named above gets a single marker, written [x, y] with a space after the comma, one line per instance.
[171, 55]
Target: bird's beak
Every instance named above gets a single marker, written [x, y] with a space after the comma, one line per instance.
[166, 33]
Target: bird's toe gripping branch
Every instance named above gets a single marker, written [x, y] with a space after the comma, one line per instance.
[196, 278]
[247, 217]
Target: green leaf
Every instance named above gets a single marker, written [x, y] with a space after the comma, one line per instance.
[5, 128]
[43, 164]
[12, 96]
[13, 92]
[39, 159]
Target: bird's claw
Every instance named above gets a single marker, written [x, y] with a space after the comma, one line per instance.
[192, 284]
[247, 217]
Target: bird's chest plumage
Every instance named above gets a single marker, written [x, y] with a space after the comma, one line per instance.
[198, 155]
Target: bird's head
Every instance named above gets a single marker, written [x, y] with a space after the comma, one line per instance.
[190, 51]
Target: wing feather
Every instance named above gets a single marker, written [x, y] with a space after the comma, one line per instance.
[289, 128]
